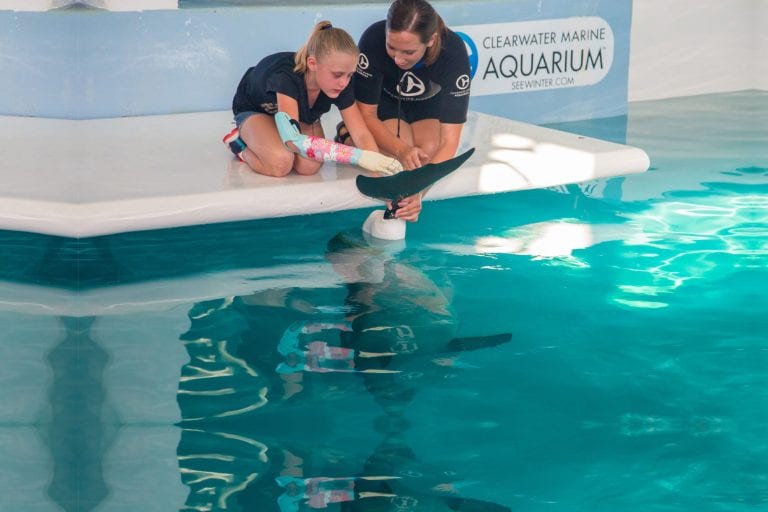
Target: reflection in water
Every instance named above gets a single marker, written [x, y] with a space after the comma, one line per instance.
[397, 313]
[232, 472]
[689, 240]
[415, 486]
[682, 240]
[552, 240]
[657, 402]
[76, 430]
[277, 381]
[266, 348]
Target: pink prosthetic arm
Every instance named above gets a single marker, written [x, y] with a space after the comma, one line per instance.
[324, 150]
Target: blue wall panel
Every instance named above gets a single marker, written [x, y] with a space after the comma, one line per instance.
[81, 64]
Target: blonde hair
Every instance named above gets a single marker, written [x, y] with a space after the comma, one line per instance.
[324, 40]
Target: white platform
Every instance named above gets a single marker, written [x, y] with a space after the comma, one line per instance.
[97, 177]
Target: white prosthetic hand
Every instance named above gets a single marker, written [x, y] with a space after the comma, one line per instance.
[324, 150]
[376, 162]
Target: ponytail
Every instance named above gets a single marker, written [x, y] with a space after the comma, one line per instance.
[324, 40]
[420, 18]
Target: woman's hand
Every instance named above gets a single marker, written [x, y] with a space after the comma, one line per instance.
[413, 157]
[408, 208]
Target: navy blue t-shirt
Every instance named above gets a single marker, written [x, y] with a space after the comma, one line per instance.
[274, 74]
[446, 79]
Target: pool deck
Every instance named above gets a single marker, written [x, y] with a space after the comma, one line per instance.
[97, 177]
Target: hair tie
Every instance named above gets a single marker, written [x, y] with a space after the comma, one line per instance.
[326, 27]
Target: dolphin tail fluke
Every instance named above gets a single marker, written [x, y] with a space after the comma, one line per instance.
[478, 342]
[472, 505]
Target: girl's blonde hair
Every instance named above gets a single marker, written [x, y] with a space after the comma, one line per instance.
[324, 40]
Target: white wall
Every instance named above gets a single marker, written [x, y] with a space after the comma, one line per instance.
[112, 5]
[682, 48]
[760, 29]
[32, 5]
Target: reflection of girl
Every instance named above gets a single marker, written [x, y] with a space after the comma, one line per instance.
[317, 356]
[318, 492]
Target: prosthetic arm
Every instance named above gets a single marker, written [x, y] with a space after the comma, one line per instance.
[322, 150]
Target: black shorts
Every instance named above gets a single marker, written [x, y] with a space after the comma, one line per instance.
[410, 111]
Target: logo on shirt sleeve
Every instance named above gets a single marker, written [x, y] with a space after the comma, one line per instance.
[362, 61]
[462, 82]
[269, 108]
[362, 66]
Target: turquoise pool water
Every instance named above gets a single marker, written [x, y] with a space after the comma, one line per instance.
[595, 347]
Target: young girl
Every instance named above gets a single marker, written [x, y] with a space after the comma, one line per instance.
[412, 84]
[302, 86]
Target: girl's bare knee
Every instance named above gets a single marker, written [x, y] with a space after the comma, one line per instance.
[307, 168]
[280, 164]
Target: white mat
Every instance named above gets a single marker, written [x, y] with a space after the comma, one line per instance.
[97, 177]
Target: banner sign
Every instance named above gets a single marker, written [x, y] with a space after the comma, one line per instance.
[537, 55]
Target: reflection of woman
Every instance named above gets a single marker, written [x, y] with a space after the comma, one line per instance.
[393, 307]
[397, 311]
[236, 470]
[417, 486]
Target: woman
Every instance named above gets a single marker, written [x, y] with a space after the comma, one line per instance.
[412, 84]
[302, 86]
